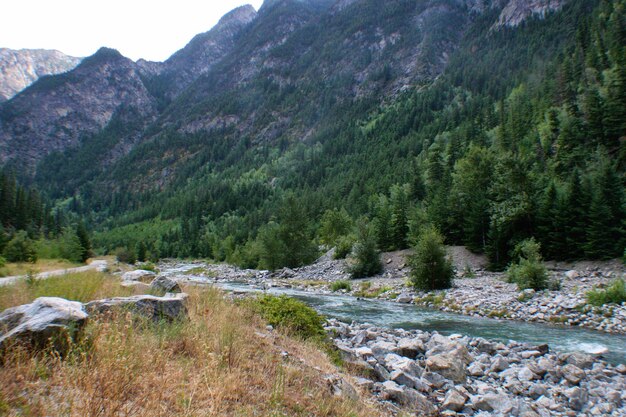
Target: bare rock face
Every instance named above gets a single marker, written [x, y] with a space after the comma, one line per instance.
[21, 68]
[47, 320]
[516, 11]
[57, 111]
[169, 308]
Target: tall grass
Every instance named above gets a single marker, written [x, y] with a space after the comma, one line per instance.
[83, 286]
[220, 361]
[614, 293]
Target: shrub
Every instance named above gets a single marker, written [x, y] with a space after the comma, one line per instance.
[366, 255]
[341, 285]
[430, 268]
[291, 315]
[344, 247]
[125, 255]
[3, 262]
[20, 249]
[614, 293]
[528, 271]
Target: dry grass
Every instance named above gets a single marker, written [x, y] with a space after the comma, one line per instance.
[83, 286]
[219, 362]
[42, 265]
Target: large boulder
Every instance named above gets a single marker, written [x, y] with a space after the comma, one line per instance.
[164, 285]
[139, 275]
[45, 321]
[170, 307]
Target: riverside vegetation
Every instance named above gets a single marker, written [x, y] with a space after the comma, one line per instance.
[221, 360]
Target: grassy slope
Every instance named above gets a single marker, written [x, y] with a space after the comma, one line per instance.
[220, 362]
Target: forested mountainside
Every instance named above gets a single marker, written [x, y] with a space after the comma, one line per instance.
[21, 68]
[493, 120]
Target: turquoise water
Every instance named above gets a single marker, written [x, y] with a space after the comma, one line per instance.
[407, 316]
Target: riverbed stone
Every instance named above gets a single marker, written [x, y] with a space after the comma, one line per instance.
[499, 364]
[573, 374]
[447, 365]
[454, 401]
[579, 359]
[408, 397]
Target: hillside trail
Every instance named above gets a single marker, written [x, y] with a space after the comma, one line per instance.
[97, 264]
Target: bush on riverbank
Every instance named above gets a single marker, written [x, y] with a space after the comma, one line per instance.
[366, 255]
[430, 268]
[614, 293]
[340, 285]
[528, 272]
[291, 315]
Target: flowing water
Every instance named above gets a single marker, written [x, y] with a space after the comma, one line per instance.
[408, 316]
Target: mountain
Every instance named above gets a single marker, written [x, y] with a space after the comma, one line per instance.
[341, 104]
[56, 112]
[21, 68]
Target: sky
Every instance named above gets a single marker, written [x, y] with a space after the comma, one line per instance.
[149, 29]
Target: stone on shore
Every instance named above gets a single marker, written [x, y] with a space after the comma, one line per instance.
[170, 307]
[47, 320]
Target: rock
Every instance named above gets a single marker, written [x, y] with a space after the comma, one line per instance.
[525, 374]
[165, 285]
[572, 274]
[434, 379]
[527, 354]
[410, 347]
[364, 383]
[408, 398]
[46, 320]
[573, 374]
[500, 403]
[454, 401]
[404, 298]
[382, 348]
[139, 275]
[576, 398]
[339, 387]
[449, 366]
[486, 347]
[156, 308]
[402, 378]
[398, 363]
[580, 360]
[594, 349]
[621, 368]
[537, 390]
[499, 364]
[476, 369]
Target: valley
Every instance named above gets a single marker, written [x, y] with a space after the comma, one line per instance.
[322, 208]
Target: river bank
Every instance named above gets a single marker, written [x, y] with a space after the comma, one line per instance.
[476, 292]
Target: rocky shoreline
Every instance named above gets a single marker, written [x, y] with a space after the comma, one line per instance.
[449, 376]
[485, 294]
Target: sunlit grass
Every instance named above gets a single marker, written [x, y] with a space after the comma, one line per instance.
[42, 265]
[83, 286]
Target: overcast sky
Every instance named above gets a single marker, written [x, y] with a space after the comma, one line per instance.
[150, 29]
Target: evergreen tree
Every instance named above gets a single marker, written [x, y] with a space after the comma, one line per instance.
[399, 217]
[85, 242]
[430, 268]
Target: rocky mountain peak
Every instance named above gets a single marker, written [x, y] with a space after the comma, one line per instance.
[21, 68]
[516, 11]
[241, 15]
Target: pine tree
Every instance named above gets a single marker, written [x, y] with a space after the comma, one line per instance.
[85, 242]
[399, 217]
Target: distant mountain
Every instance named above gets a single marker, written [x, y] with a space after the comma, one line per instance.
[21, 68]
[336, 102]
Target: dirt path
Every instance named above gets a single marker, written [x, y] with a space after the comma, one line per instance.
[99, 265]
